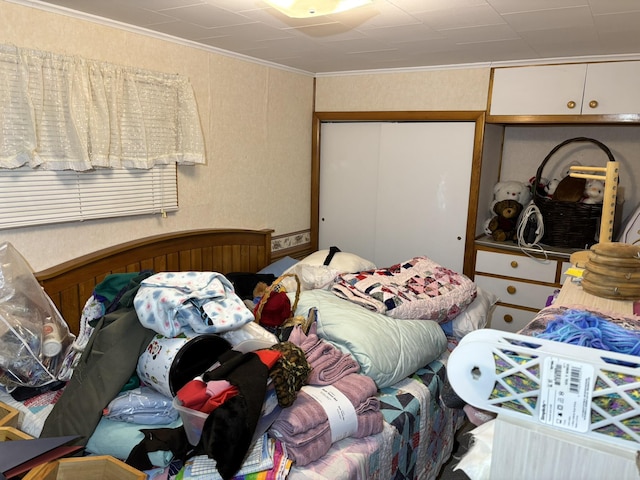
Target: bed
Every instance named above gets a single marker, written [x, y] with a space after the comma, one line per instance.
[418, 429]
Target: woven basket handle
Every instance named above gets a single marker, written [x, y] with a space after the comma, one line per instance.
[271, 288]
[598, 143]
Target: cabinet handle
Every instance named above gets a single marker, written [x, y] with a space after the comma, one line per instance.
[514, 264]
[511, 289]
[508, 318]
[571, 104]
[593, 104]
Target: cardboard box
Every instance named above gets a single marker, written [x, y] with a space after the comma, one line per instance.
[10, 433]
[100, 467]
[9, 416]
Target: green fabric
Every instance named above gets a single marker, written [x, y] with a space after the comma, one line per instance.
[106, 365]
[113, 284]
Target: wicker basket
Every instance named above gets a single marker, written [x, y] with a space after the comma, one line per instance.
[569, 224]
[274, 288]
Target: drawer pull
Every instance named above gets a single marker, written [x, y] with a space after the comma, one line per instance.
[514, 264]
[508, 318]
[511, 289]
[571, 104]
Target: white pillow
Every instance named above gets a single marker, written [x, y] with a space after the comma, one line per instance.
[476, 315]
[387, 349]
[313, 274]
[343, 262]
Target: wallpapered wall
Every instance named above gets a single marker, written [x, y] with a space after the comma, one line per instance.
[257, 125]
[256, 121]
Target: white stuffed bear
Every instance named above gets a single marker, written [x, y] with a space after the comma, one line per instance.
[593, 191]
[551, 185]
[550, 188]
[508, 190]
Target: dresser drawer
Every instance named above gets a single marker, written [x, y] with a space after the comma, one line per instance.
[516, 293]
[538, 270]
[510, 319]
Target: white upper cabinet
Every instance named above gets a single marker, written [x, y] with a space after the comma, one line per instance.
[612, 88]
[607, 88]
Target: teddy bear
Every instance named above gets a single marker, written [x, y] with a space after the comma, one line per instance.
[507, 190]
[593, 192]
[504, 225]
[547, 188]
[511, 190]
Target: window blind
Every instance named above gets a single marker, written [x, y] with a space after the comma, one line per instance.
[37, 197]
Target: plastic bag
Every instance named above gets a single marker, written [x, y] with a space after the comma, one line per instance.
[33, 336]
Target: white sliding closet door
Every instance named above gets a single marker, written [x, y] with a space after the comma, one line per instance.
[391, 191]
[349, 155]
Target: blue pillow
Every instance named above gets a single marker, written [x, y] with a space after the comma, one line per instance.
[278, 267]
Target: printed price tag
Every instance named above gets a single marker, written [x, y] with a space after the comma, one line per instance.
[341, 413]
[565, 394]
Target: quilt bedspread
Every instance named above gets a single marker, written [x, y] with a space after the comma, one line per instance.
[416, 289]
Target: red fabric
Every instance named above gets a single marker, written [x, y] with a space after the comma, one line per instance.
[193, 394]
[268, 357]
[275, 311]
[215, 401]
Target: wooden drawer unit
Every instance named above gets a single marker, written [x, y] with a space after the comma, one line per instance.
[510, 291]
[510, 319]
[521, 282]
[516, 266]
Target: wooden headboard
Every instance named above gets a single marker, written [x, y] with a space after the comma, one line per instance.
[70, 284]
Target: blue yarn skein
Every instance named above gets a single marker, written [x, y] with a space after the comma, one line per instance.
[586, 329]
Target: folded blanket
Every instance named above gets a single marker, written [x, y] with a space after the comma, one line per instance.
[317, 442]
[306, 413]
[328, 363]
[297, 431]
[416, 289]
[305, 429]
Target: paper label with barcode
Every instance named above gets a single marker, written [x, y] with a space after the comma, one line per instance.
[565, 394]
[343, 421]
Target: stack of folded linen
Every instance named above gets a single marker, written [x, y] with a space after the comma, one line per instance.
[327, 362]
[305, 427]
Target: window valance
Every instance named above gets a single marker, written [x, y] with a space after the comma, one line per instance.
[62, 112]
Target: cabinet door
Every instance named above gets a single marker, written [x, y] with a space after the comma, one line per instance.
[612, 88]
[392, 191]
[538, 90]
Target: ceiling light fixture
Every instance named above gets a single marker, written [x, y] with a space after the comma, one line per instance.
[314, 8]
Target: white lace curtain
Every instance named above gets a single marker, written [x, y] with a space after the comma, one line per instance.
[67, 113]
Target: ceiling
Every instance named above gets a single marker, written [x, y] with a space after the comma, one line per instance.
[389, 34]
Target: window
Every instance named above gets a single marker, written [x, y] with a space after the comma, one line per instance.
[81, 139]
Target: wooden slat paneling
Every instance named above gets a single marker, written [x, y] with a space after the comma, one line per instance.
[70, 284]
